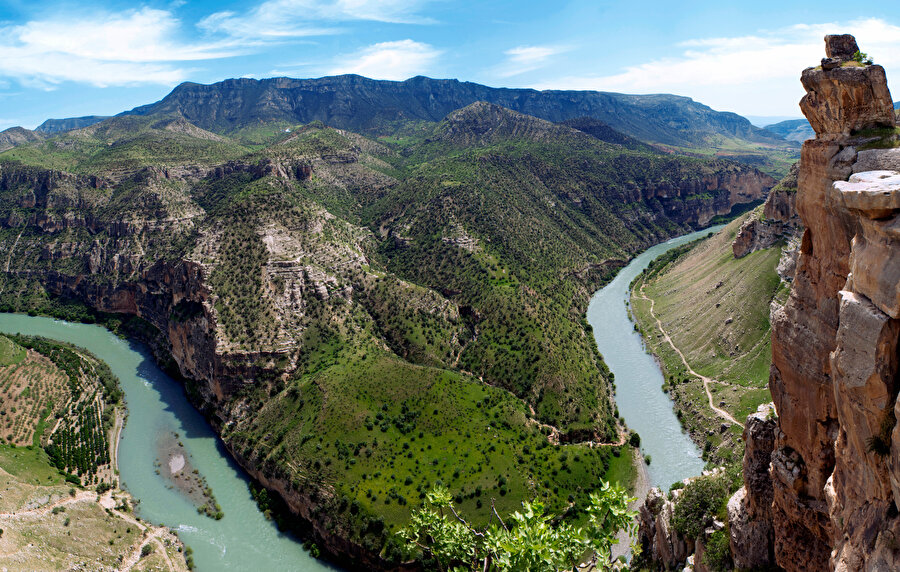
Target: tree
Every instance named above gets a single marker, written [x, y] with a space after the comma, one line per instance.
[531, 543]
[863, 58]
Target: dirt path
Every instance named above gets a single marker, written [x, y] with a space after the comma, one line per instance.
[42, 510]
[135, 556]
[706, 380]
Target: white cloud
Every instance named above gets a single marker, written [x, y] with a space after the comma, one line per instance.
[133, 47]
[389, 60]
[280, 19]
[755, 74]
[524, 59]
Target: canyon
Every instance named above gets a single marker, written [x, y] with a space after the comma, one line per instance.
[328, 298]
[820, 488]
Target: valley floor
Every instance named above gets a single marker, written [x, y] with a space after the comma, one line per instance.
[46, 521]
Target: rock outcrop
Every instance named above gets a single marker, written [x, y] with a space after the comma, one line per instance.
[750, 509]
[659, 542]
[778, 220]
[834, 344]
[821, 485]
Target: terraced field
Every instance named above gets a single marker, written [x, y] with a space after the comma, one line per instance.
[30, 385]
[59, 398]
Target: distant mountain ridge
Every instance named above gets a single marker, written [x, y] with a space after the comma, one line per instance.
[371, 106]
[14, 136]
[793, 129]
[54, 126]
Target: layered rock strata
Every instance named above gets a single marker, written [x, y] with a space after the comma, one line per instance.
[834, 344]
[777, 221]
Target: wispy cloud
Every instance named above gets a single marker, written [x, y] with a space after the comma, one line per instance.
[753, 73]
[274, 20]
[389, 60]
[524, 59]
[132, 47]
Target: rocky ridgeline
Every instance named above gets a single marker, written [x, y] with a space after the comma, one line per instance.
[821, 485]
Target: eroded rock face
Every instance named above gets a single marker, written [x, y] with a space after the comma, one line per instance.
[846, 99]
[835, 358]
[777, 220]
[659, 541]
[751, 538]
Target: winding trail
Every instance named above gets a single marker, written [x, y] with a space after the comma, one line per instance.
[82, 496]
[135, 556]
[706, 380]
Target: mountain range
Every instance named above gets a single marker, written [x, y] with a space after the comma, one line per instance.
[337, 299]
[237, 107]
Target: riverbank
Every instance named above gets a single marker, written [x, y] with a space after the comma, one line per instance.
[639, 491]
[47, 520]
[704, 315]
[157, 406]
[645, 408]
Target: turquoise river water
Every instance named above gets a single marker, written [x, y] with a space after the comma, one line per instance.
[157, 406]
[639, 395]
[244, 539]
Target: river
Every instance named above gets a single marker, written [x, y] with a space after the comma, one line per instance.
[157, 407]
[244, 539]
[639, 395]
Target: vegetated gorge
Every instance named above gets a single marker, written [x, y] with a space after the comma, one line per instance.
[364, 315]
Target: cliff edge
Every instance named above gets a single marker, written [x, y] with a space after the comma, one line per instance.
[827, 497]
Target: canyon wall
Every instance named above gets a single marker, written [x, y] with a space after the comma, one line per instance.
[829, 490]
[776, 221]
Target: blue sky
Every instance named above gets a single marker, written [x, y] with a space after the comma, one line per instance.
[63, 59]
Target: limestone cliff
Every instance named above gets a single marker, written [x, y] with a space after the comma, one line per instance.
[821, 485]
[777, 220]
[834, 461]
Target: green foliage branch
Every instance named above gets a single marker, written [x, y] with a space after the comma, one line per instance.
[531, 540]
[862, 58]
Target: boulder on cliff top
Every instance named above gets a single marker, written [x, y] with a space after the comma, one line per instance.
[876, 194]
[840, 46]
[846, 99]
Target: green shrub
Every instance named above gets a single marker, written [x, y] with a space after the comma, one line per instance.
[718, 552]
[862, 58]
[697, 505]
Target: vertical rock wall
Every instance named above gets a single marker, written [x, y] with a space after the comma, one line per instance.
[835, 463]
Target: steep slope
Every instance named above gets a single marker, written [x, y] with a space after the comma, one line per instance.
[603, 132]
[374, 106]
[348, 311]
[14, 136]
[715, 309]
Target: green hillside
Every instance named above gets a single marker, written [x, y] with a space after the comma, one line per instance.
[379, 315]
[715, 308]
